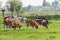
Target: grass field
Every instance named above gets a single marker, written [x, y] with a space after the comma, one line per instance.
[52, 33]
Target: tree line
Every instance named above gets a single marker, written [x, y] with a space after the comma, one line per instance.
[12, 6]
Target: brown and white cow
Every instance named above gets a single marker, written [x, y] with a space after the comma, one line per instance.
[42, 22]
[32, 22]
[11, 23]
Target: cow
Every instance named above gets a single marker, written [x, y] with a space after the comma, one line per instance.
[10, 22]
[16, 23]
[43, 18]
[32, 22]
[42, 22]
[7, 22]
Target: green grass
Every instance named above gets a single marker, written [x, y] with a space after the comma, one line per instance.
[52, 33]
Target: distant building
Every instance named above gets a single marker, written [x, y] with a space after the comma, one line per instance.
[55, 4]
[45, 3]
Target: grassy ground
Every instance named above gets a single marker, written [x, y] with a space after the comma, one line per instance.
[52, 33]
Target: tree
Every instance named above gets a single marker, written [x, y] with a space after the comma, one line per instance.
[15, 5]
[18, 8]
[3, 10]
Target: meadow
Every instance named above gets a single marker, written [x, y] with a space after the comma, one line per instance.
[52, 33]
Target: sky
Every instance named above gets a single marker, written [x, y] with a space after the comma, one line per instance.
[29, 2]
[34, 2]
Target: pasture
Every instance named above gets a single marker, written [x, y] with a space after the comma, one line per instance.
[52, 33]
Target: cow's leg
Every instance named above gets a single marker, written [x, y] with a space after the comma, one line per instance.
[45, 24]
[14, 27]
[7, 26]
[10, 26]
[4, 25]
[27, 25]
[36, 27]
[19, 26]
[33, 26]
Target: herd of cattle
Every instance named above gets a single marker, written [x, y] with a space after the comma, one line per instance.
[14, 22]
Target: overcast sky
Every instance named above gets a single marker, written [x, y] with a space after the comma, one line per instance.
[30, 2]
[34, 2]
